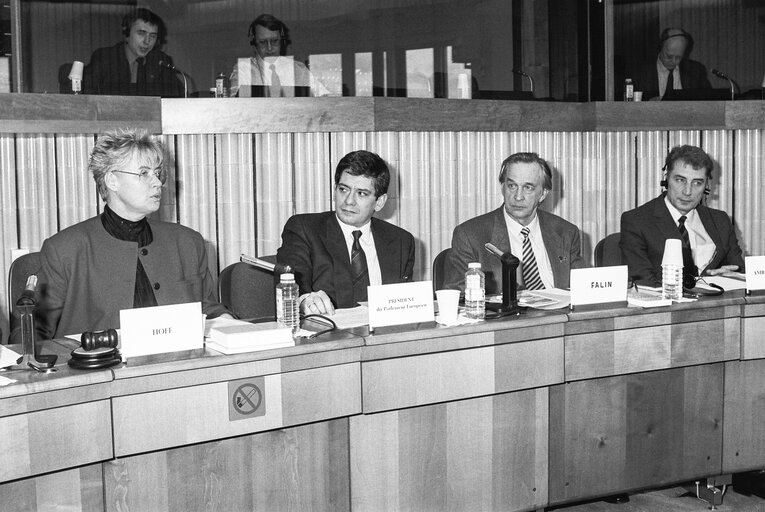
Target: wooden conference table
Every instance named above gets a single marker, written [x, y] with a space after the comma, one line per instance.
[512, 414]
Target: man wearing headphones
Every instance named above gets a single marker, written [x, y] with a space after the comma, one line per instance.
[270, 72]
[134, 66]
[673, 69]
[547, 245]
[709, 240]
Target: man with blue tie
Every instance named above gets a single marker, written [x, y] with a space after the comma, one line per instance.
[709, 241]
[547, 245]
[335, 255]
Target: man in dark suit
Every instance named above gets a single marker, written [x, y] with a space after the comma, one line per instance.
[521, 228]
[135, 66]
[709, 241]
[336, 255]
[673, 67]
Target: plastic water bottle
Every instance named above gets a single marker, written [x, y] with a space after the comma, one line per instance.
[287, 293]
[475, 292]
[671, 281]
[629, 90]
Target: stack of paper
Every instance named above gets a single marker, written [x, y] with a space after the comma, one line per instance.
[647, 298]
[235, 336]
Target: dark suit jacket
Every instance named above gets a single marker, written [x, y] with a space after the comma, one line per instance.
[313, 245]
[645, 229]
[693, 75]
[561, 239]
[109, 73]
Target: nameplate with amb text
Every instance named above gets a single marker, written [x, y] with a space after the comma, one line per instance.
[160, 329]
[402, 303]
[755, 272]
[598, 285]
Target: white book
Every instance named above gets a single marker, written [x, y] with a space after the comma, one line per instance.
[235, 336]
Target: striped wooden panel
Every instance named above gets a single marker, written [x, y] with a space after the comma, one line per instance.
[74, 489]
[614, 352]
[618, 433]
[299, 468]
[482, 454]
[201, 413]
[744, 427]
[425, 379]
[30, 450]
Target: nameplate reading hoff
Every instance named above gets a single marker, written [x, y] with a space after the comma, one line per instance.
[755, 272]
[402, 303]
[159, 329]
[598, 285]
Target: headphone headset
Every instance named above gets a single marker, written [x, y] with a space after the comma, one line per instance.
[688, 39]
[663, 183]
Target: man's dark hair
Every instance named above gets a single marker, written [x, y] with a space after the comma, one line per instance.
[365, 163]
[146, 16]
[690, 155]
[274, 24]
[527, 158]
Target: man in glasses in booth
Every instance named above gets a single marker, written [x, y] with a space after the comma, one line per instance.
[270, 72]
[121, 259]
[547, 246]
[710, 246]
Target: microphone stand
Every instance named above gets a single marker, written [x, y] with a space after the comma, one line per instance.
[26, 305]
[531, 80]
[509, 282]
[722, 75]
[183, 74]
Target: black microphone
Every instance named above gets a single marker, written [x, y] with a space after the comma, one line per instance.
[520, 72]
[29, 296]
[722, 75]
[509, 281]
[168, 65]
[276, 268]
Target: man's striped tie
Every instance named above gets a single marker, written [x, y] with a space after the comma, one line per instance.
[530, 271]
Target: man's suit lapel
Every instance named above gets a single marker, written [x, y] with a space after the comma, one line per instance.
[663, 221]
[554, 246]
[499, 235]
[332, 238]
[711, 227]
[388, 254]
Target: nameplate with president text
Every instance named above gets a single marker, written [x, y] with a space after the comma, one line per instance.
[159, 329]
[755, 272]
[402, 303]
[598, 285]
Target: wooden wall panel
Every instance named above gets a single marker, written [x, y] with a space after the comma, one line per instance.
[629, 439]
[744, 427]
[480, 454]
[299, 468]
[79, 489]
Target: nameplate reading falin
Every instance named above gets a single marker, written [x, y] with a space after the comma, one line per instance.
[598, 285]
[159, 329]
[402, 303]
[755, 273]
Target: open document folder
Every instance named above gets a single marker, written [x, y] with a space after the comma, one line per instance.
[550, 298]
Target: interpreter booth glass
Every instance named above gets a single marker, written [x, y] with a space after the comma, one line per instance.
[477, 49]
[724, 35]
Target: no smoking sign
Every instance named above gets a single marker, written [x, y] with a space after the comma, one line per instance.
[247, 398]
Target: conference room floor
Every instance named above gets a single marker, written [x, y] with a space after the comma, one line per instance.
[675, 499]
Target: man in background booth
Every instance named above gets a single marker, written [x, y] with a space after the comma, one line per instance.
[335, 255]
[708, 238]
[121, 259]
[673, 68]
[547, 245]
[270, 72]
[135, 66]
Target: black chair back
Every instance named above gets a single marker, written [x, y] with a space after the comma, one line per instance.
[607, 251]
[439, 267]
[249, 292]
